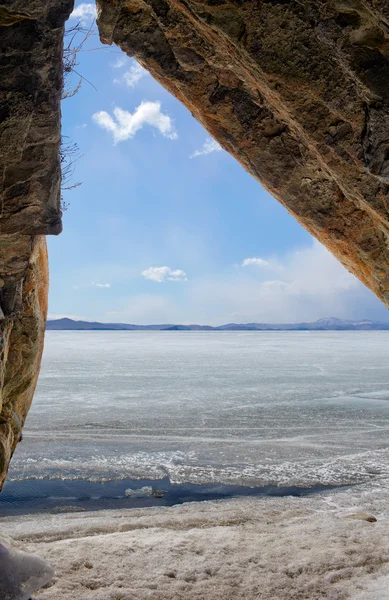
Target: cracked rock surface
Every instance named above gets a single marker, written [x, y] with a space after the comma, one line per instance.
[296, 90]
[31, 35]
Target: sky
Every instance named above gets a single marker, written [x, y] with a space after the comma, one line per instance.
[167, 227]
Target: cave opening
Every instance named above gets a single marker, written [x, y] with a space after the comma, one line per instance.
[168, 230]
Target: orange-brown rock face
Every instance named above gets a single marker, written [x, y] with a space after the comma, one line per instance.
[21, 350]
[31, 35]
[296, 90]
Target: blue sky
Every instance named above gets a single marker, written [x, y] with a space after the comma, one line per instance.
[167, 227]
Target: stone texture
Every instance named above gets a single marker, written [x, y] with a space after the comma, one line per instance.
[21, 344]
[361, 516]
[31, 35]
[297, 91]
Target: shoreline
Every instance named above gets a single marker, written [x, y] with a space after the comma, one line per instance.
[273, 548]
[54, 496]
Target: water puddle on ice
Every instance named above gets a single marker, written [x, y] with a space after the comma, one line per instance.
[59, 496]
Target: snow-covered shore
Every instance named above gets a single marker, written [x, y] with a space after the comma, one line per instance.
[267, 548]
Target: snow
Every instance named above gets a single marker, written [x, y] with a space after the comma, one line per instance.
[243, 549]
[21, 574]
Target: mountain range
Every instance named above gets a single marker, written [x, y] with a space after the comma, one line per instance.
[326, 324]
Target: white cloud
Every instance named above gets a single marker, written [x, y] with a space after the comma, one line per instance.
[128, 124]
[208, 147]
[92, 284]
[133, 75]
[161, 274]
[300, 285]
[307, 284]
[85, 13]
[259, 262]
[120, 62]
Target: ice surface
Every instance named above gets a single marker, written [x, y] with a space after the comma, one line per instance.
[251, 549]
[284, 409]
[272, 408]
[21, 574]
[142, 492]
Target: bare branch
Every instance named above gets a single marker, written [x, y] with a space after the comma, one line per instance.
[69, 154]
[75, 38]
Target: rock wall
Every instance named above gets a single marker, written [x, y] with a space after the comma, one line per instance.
[21, 345]
[296, 90]
[31, 38]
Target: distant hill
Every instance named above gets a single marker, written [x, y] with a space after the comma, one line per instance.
[327, 324]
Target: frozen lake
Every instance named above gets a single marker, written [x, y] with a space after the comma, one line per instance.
[249, 409]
